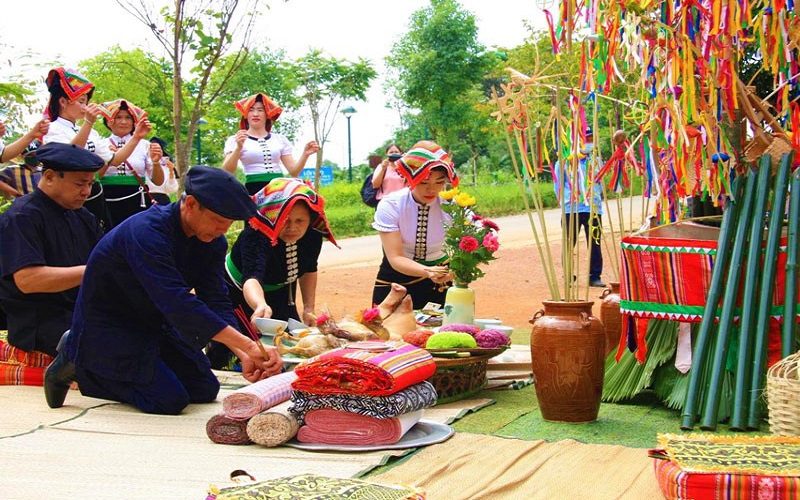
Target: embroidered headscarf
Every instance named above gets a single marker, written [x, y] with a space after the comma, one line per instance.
[415, 166]
[271, 108]
[110, 109]
[71, 82]
[275, 200]
[67, 83]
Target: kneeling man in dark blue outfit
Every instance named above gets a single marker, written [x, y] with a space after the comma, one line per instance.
[138, 330]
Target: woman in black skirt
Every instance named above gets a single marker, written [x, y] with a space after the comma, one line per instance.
[412, 223]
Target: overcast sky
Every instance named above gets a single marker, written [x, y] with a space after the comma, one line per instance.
[341, 28]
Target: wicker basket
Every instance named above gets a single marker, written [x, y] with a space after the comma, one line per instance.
[783, 396]
[459, 378]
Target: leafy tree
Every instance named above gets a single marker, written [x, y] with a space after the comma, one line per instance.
[18, 97]
[196, 38]
[437, 63]
[325, 83]
[135, 75]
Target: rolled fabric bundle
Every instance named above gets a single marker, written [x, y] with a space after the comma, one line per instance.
[262, 395]
[370, 372]
[336, 427]
[417, 397]
[273, 427]
[222, 429]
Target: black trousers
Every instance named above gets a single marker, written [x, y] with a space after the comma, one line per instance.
[593, 234]
[421, 293]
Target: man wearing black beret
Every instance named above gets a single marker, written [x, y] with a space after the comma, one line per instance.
[152, 296]
[45, 240]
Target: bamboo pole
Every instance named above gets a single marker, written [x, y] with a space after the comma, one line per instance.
[748, 316]
[539, 207]
[767, 289]
[594, 211]
[704, 337]
[709, 418]
[561, 201]
[524, 194]
[792, 250]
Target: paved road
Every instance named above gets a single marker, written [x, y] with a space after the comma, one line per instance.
[515, 232]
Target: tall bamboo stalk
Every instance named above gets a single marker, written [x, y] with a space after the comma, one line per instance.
[767, 289]
[709, 417]
[539, 206]
[792, 250]
[564, 250]
[704, 337]
[748, 317]
[550, 282]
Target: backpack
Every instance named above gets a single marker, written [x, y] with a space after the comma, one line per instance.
[369, 193]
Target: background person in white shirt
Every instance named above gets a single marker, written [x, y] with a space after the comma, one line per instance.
[265, 155]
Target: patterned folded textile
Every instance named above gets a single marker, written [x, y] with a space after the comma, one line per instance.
[769, 455]
[222, 429]
[417, 397]
[18, 367]
[364, 371]
[678, 484]
[262, 395]
[313, 487]
[340, 427]
[702, 467]
[13, 356]
[273, 427]
[21, 375]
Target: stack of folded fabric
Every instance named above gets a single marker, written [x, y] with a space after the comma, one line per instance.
[711, 467]
[230, 426]
[19, 367]
[363, 395]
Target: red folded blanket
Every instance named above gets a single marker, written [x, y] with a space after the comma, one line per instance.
[337, 427]
[18, 367]
[259, 396]
[365, 371]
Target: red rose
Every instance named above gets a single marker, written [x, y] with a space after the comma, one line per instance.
[490, 224]
[468, 244]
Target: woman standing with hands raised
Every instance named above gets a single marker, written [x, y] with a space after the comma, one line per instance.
[70, 93]
[261, 151]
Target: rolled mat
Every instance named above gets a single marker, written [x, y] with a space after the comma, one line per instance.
[314, 487]
[328, 426]
[369, 372]
[222, 429]
[273, 427]
[417, 397]
[11, 374]
[262, 395]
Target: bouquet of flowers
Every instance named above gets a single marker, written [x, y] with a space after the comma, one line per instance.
[470, 239]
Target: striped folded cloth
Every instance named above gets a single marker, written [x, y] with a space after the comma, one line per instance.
[373, 371]
[344, 428]
[18, 367]
[417, 397]
[259, 396]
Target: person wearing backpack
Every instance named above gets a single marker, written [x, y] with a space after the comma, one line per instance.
[385, 178]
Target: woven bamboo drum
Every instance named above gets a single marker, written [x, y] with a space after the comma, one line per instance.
[459, 378]
[783, 396]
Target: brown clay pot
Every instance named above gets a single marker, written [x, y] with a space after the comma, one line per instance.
[610, 315]
[567, 352]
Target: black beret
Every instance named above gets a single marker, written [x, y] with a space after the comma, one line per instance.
[220, 192]
[68, 158]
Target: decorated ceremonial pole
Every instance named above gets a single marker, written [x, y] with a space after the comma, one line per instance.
[748, 315]
[704, 336]
[739, 253]
[766, 292]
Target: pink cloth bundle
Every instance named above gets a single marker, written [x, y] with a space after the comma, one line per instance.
[327, 426]
[251, 400]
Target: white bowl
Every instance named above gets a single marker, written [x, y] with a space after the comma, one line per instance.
[508, 330]
[485, 323]
[269, 326]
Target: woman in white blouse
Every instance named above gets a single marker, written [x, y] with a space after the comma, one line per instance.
[412, 223]
[70, 93]
[160, 193]
[125, 185]
[265, 155]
